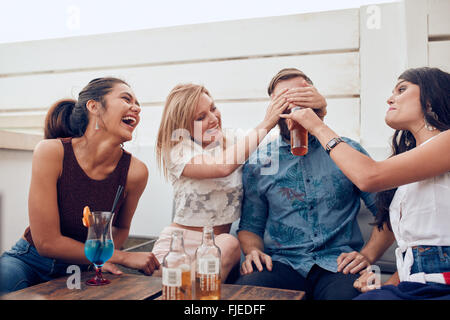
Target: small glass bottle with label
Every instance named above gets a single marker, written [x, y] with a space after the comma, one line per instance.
[208, 265]
[176, 271]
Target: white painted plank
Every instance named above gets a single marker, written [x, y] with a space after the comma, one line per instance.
[242, 38]
[13, 120]
[439, 54]
[438, 18]
[15, 173]
[416, 27]
[18, 140]
[383, 59]
[333, 74]
[343, 116]
[154, 210]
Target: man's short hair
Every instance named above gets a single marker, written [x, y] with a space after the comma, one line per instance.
[286, 74]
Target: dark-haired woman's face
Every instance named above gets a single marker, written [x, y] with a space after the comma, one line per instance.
[121, 113]
[405, 111]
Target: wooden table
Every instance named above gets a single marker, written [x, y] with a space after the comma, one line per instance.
[137, 287]
[244, 292]
[238, 292]
[122, 287]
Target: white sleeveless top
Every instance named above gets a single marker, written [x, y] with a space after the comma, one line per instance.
[420, 215]
[200, 202]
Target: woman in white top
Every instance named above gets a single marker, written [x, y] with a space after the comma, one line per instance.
[205, 167]
[413, 184]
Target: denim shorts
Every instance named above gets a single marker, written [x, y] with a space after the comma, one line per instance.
[22, 266]
[431, 259]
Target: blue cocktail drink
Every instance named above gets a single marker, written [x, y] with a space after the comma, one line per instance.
[99, 246]
[98, 252]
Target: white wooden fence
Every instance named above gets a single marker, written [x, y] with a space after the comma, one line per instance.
[353, 56]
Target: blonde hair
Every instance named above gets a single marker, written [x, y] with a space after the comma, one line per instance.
[178, 114]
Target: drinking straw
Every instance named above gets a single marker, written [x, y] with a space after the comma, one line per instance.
[116, 200]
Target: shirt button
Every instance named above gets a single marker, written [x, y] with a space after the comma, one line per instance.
[307, 180]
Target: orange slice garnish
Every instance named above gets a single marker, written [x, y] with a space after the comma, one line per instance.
[86, 215]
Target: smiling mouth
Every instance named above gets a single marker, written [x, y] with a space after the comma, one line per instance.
[209, 131]
[130, 121]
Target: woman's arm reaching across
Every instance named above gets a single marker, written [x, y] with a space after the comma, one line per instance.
[427, 161]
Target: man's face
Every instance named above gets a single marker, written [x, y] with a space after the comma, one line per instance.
[289, 84]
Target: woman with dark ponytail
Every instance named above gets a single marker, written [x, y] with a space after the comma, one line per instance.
[80, 163]
[413, 184]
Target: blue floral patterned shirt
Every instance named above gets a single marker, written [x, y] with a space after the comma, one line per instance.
[303, 207]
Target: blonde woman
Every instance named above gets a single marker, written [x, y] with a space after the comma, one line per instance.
[204, 167]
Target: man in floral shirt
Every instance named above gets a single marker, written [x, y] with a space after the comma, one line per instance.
[298, 227]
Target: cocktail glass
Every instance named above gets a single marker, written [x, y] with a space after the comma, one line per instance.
[99, 246]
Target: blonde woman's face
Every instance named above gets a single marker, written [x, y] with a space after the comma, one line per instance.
[207, 121]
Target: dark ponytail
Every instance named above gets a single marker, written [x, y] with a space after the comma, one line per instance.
[434, 87]
[57, 119]
[69, 118]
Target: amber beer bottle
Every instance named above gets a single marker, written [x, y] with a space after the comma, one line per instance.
[208, 264]
[176, 271]
[299, 138]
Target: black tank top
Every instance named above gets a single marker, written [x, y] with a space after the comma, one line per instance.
[76, 190]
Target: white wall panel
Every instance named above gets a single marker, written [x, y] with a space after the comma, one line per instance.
[14, 120]
[250, 37]
[438, 18]
[15, 173]
[439, 54]
[343, 116]
[383, 59]
[333, 74]
[235, 60]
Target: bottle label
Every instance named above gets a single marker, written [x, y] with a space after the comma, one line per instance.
[208, 265]
[171, 277]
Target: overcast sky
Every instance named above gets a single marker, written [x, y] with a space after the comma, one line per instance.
[23, 20]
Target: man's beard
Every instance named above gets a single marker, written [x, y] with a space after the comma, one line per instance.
[284, 131]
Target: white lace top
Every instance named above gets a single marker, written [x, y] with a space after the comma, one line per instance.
[420, 215]
[199, 202]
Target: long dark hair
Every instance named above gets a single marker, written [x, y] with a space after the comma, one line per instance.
[434, 87]
[69, 117]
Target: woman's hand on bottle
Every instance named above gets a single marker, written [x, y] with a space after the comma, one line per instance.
[278, 103]
[307, 118]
